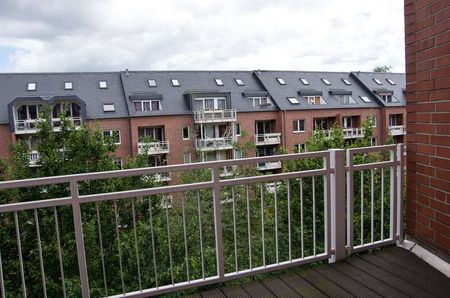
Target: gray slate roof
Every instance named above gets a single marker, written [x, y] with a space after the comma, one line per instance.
[85, 86]
[294, 85]
[173, 101]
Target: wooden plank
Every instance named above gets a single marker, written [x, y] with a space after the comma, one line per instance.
[324, 285]
[235, 291]
[368, 280]
[279, 288]
[301, 286]
[426, 284]
[213, 293]
[413, 263]
[394, 281]
[257, 289]
[346, 282]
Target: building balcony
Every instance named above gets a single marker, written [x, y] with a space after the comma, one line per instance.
[264, 166]
[153, 148]
[397, 130]
[214, 144]
[268, 139]
[214, 116]
[31, 125]
[353, 133]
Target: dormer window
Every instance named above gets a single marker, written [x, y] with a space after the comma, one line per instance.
[219, 82]
[102, 85]
[32, 86]
[68, 85]
[175, 82]
[346, 82]
[209, 103]
[260, 101]
[326, 82]
[281, 81]
[152, 83]
[345, 99]
[315, 100]
[293, 100]
[390, 81]
[147, 105]
[304, 81]
[377, 81]
[388, 98]
[239, 82]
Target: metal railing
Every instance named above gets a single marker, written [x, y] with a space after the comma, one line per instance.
[269, 165]
[267, 139]
[397, 130]
[350, 133]
[299, 217]
[214, 116]
[31, 125]
[214, 144]
[153, 147]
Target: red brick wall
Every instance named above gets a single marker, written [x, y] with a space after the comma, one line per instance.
[6, 139]
[428, 122]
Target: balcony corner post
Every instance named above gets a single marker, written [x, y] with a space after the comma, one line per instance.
[337, 163]
[218, 223]
[400, 170]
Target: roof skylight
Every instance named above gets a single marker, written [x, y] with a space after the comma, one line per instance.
[219, 82]
[365, 98]
[346, 82]
[293, 100]
[68, 85]
[175, 82]
[281, 81]
[151, 83]
[326, 82]
[377, 81]
[32, 87]
[109, 107]
[390, 81]
[304, 81]
[102, 85]
[239, 82]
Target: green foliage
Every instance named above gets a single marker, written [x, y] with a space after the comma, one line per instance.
[383, 68]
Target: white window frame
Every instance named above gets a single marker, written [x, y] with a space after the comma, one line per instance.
[347, 122]
[293, 100]
[300, 146]
[68, 85]
[281, 81]
[187, 157]
[365, 99]
[235, 154]
[102, 84]
[388, 98]
[216, 102]
[150, 105]
[109, 107]
[188, 133]
[175, 82]
[377, 81]
[304, 81]
[298, 121]
[325, 81]
[311, 100]
[258, 101]
[218, 81]
[391, 82]
[111, 132]
[152, 83]
[32, 86]
[239, 82]
[346, 82]
[237, 129]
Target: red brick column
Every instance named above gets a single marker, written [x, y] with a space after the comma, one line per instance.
[427, 40]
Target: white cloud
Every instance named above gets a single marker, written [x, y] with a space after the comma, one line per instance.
[200, 34]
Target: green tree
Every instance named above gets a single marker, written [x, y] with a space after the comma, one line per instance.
[383, 68]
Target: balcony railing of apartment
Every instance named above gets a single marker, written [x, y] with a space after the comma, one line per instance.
[214, 116]
[214, 144]
[351, 133]
[347, 204]
[268, 139]
[262, 166]
[33, 157]
[30, 126]
[153, 147]
[397, 130]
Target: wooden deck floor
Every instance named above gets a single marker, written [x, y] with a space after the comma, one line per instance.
[392, 272]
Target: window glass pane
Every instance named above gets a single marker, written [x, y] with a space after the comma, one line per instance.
[209, 104]
[186, 132]
[295, 125]
[155, 105]
[32, 110]
[57, 110]
[22, 112]
[302, 125]
[76, 110]
[146, 106]
[221, 103]
[198, 105]
[138, 105]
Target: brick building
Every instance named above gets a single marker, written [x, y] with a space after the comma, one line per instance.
[428, 122]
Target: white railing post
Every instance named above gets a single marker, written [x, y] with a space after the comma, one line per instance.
[400, 193]
[337, 162]
[79, 238]
[218, 222]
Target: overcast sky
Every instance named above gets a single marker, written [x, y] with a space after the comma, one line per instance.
[101, 35]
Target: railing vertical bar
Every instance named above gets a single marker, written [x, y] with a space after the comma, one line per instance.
[2, 281]
[350, 201]
[301, 219]
[100, 237]
[276, 222]
[372, 207]
[119, 248]
[262, 226]
[41, 258]
[314, 213]
[289, 218]
[153, 240]
[200, 233]
[218, 223]
[19, 248]
[394, 194]
[186, 249]
[327, 203]
[362, 207]
[136, 248]
[249, 227]
[60, 259]
[382, 203]
[400, 149]
[166, 206]
[234, 229]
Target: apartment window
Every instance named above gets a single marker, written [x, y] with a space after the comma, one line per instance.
[390, 81]
[148, 105]
[365, 99]
[299, 125]
[260, 101]
[152, 83]
[373, 120]
[377, 81]
[346, 82]
[373, 141]
[68, 85]
[219, 82]
[118, 163]
[281, 81]
[239, 82]
[186, 133]
[175, 82]
[237, 153]
[388, 98]
[102, 85]
[114, 135]
[27, 112]
[32, 86]
[209, 103]
[326, 82]
[187, 157]
[315, 100]
[345, 99]
[71, 110]
[299, 148]
[237, 129]
[155, 134]
[109, 107]
[304, 81]
[347, 122]
[293, 100]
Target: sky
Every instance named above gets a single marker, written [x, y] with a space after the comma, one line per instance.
[113, 35]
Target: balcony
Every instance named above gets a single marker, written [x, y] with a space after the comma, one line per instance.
[397, 130]
[264, 166]
[214, 144]
[268, 139]
[153, 148]
[201, 241]
[30, 126]
[214, 116]
[353, 133]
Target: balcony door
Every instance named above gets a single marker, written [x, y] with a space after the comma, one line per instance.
[214, 131]
[155, 134]
[347, 122]
[264, 127]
